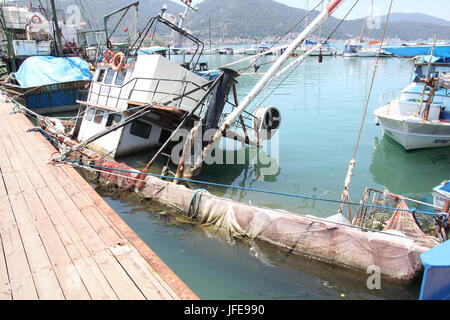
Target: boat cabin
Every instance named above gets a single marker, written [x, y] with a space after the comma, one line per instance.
[151, 79]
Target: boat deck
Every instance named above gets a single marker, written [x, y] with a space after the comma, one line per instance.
[59, 239]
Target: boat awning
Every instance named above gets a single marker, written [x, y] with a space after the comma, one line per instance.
[43, 71]
[414, 51]
[429, 59]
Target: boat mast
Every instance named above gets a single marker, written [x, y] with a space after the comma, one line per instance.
[58, 34]
[186, 169]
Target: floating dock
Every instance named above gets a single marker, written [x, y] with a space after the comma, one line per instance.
[59, 239]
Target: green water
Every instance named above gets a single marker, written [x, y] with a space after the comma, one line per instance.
[322, 107]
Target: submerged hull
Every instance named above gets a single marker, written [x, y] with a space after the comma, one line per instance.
[415, 134]
[47, 99]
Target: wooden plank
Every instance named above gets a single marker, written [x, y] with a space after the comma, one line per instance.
[140, 271]
[47, 284]
[69, 275]
[136, 267]
[93, 278]
[5, 287]
[160, 271]
[87, 233]
[116, 275]
[46, 255]
[19, 272]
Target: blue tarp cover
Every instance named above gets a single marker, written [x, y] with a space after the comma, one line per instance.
[438, 257]
[445, 187]
[414, 51]
[42, 71]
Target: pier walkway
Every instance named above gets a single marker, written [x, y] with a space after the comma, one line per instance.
[59, 239]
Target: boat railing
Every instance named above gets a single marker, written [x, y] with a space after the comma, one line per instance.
[387, 98]
[113, 96]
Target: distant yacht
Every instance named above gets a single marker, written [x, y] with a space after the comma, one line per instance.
[325, 50]
[354, 48]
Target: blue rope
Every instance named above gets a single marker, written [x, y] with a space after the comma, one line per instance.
[413, 210]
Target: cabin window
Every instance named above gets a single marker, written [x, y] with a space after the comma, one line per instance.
[101, 75]
[141, 129]
[99, 116]
[165, 135]
[113, 119]
[89, 114]
[120, 79]
[109, 76]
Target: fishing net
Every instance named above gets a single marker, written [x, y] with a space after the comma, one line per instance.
[116, 175]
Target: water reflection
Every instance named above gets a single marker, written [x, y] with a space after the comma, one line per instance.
[253, 166]
[414, 172]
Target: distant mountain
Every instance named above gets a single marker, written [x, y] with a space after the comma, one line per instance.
[261, 18]
[416, 17]
[265, 19]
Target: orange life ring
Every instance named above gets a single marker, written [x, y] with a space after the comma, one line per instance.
[108, 56]
[36, 19]
[118, 62]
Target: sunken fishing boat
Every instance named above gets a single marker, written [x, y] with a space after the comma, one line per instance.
[136, 102]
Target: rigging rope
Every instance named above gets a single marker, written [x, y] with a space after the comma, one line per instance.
[285, 34]
[295, 68]
[345, 194]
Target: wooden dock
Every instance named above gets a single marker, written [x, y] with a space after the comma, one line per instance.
[59, 239]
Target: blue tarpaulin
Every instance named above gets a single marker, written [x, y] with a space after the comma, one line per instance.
[414, 51]
[42, 71]
[436, 279]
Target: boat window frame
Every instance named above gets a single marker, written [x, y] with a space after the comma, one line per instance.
[101, 75]
[90, 113]
[97, 116]
[133, 129]
[124, 73]
[112, 119]
[113, 77]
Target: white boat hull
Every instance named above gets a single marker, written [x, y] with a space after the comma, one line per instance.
[415, 133]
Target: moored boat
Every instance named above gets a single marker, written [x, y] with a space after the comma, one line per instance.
[49, 84]
[419, 116]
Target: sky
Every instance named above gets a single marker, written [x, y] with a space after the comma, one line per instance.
[436, 8]
[439, 8]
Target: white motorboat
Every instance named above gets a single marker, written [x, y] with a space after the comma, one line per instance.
[419, 117]
[354, 48]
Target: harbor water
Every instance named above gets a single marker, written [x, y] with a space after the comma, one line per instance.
[322, 107]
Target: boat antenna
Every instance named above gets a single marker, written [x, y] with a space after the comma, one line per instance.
[346, 193]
